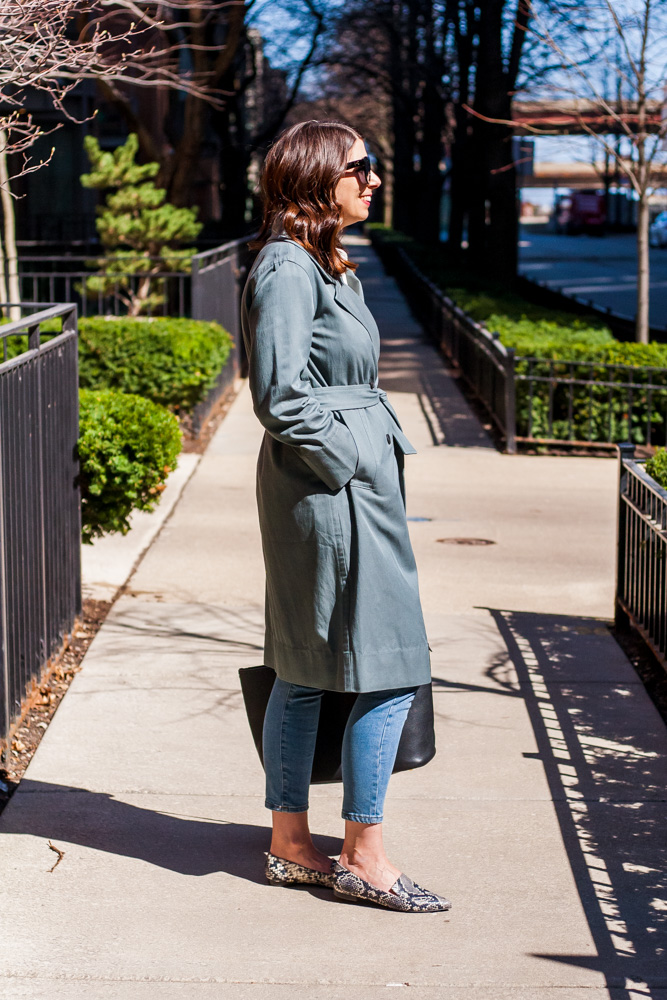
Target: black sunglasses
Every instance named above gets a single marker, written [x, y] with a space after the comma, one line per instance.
[362, 166]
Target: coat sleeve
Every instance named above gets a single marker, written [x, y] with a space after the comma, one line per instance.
[278, 325]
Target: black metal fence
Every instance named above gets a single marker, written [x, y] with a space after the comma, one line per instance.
[487, 366]
[40, 521]
[641, 583]
[211, 291]
[65, 279]
[539, 400]
[218, 277]
[590, 401]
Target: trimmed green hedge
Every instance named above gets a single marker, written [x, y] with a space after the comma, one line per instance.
[657, 467]
[127, 447]
[600, 414]
[173, 362]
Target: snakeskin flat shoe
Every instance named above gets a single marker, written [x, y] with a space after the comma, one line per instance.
[281, 872]
[405, 894]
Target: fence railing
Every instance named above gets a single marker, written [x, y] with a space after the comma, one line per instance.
[211, 291]
[40, 519]
[590, 401]
[486, 365]
[218, 277]
[64, 279]
[212, 286]
[539, 400]
[641, 581]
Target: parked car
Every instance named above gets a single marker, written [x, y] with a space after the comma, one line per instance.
[657, 232]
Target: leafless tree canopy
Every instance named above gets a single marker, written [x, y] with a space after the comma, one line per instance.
[50, 46]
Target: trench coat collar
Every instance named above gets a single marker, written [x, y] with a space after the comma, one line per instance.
[345, 295]
[353, 303]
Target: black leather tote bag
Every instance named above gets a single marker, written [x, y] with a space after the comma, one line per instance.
[416, 746]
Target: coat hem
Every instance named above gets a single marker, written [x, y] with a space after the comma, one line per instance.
[354, 672]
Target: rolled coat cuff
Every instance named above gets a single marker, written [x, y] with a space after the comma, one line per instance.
[336, 464]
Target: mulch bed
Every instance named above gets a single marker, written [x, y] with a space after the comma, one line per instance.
[199, 443]
[43, 703]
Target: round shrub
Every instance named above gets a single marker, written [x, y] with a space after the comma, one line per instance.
[127, 447]
[173, 362]
[657, 467]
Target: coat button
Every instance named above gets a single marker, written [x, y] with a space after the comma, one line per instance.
[388, 438]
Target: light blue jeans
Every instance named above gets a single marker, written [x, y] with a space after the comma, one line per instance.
[370, 743]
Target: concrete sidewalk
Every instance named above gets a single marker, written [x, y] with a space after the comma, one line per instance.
[542, 817]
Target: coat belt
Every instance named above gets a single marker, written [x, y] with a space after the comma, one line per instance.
[348, 397]
[360, 397]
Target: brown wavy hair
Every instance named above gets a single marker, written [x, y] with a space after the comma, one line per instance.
[298, 189]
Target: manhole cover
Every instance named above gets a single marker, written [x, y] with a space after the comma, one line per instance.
[465, 541]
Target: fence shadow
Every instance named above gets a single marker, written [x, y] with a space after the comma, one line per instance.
[603, 747]
[182, 843]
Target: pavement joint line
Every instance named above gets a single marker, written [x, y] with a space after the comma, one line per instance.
[611, 982]
[396, 797]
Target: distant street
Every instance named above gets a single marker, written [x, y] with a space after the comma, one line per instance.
[602, 269]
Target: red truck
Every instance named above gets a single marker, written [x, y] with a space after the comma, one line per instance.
[580, 212]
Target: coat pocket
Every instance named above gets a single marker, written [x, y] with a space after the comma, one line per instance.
[366, 470]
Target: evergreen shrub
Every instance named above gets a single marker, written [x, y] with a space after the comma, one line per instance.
[657, 467]
[127, 447]
[142, 234]
[171, 361]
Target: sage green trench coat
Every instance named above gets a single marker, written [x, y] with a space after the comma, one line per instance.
[342, 599]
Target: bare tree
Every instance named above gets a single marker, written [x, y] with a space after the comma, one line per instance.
[395, 55]
[226, 51]
[50, 46]
[621, 49]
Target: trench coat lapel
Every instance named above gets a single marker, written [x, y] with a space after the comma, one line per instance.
[352, 302]
[344, 294]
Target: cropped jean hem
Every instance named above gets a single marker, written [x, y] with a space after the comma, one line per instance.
[285, 809]
[361, 818]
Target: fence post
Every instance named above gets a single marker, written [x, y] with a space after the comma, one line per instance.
[510, 402]
[195, 285]
[4, 624]
[626, 452]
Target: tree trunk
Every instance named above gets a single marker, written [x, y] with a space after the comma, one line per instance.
[494, 241]
[458, 193]
[404, 86]
[3, 283]
[643, 180]
[461, 166]
[13, 290]
[388, 192]
[234, 162]
[430, 145]
[179, 173]
[642, 324]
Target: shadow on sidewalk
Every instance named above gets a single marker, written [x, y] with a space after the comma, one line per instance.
[189, 845]
[410, 363]
[602, 745]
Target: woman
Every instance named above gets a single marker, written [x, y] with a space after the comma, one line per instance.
[342, 601]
